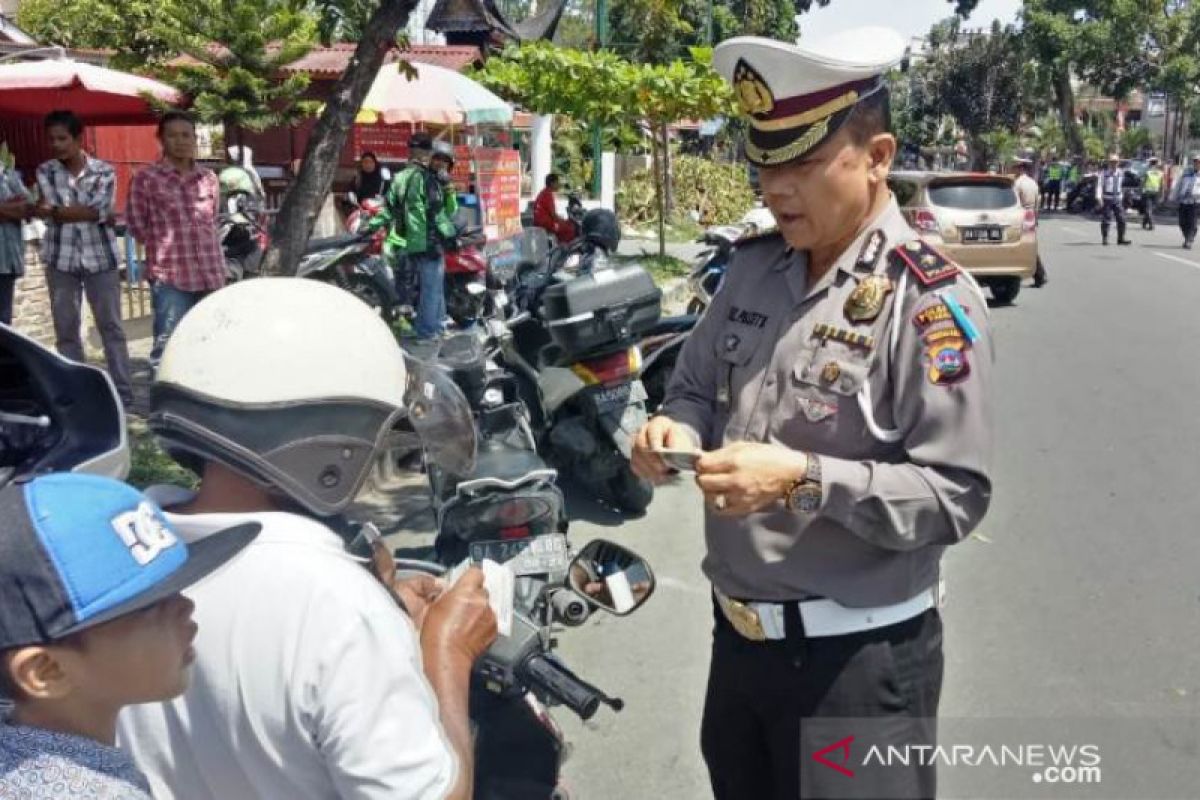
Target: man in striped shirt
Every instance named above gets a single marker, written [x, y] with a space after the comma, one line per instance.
[172, 210]
[80, 249]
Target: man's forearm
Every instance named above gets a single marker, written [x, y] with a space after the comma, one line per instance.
[449, 675]
[75, 214]
[12, 211]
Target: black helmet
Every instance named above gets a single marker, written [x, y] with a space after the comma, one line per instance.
[445, 151]
[601, 228]
[420, 141]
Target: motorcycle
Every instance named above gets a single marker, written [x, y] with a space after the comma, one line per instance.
[577, 361]
[496, 500]
[468, 277]
[345, 261]
[708, 268]
[243, 239]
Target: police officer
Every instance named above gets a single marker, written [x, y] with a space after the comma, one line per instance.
[1110, 199]
[1052, 191]
[839, 387]
[1152, 186]
[1186, 194]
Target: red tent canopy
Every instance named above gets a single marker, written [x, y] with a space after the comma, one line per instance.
[97, 94]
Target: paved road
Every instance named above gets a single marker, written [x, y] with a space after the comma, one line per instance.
[1081, 599]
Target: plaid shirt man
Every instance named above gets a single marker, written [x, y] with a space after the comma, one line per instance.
[174, 214]
[12, 245]
[80, 247]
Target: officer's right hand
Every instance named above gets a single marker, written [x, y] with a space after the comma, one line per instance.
[461, 622]
[657, 434]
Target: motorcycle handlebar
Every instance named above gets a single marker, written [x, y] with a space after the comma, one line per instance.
[560, 684]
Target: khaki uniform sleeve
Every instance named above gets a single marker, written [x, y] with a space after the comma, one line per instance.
[942, 489]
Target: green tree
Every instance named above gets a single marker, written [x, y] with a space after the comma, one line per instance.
[302, 203]
[131, 29]
[240, 49]
[602, 88]
[1108, 43]
[980, 83]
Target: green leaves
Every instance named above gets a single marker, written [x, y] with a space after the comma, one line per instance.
[603, 88]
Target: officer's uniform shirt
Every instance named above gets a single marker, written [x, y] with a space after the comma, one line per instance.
[757, 368]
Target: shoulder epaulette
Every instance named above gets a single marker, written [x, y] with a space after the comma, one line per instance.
[927, 265]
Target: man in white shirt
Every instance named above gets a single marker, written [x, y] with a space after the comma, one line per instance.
[309, 680]
[1186, 193]
[1027, 193]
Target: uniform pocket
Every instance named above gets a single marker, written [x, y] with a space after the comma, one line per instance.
[833, 367]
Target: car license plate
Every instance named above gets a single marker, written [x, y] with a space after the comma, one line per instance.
[983, 233]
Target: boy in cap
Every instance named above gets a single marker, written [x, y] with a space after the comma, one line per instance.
[91, 620]
[840, 387]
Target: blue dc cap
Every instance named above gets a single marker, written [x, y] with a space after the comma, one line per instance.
[79, 550]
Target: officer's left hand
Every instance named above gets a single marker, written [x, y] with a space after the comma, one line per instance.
[750, 476]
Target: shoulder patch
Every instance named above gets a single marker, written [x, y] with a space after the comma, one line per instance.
[929, 266]
[871, 250]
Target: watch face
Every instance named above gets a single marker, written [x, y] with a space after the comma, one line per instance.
[807, 498]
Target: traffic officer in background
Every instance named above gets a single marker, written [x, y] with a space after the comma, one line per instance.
[1110, 199]
[1052, 185]
[1152, 186]
[840, 389]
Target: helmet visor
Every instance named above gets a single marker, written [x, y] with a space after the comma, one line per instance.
[441, 416]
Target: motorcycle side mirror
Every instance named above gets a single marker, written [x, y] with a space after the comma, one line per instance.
[611, 577]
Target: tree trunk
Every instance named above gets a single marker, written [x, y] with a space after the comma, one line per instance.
[979, 153]
[303, 201]
[668, 191]
[1064, 96]
[656, 167]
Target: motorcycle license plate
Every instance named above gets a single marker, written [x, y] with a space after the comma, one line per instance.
[534, 555]
[611, 396]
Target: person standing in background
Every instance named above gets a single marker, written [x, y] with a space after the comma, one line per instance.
[1110, 199]
[1027, 192]
[1152, 186]
[80, 248]
[172, 210]
[1053, 186]
[1186, 194]
[15, 206]
[372, 179]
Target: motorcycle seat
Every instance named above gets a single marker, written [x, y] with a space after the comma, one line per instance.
[506, 462]
[331, 242]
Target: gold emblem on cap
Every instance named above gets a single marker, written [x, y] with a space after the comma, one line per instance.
[789, 152]
[831, 372]
[866, 301]
[752, 91]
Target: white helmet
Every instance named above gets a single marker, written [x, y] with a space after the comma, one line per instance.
[291, 382]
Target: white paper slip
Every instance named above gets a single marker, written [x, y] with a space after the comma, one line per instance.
[500, 583]
[621, 591]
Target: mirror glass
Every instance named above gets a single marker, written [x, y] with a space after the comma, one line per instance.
[611, 577]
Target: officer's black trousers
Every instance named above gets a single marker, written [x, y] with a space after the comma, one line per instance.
[1187, 221]
[1108, 210]
[758, 695]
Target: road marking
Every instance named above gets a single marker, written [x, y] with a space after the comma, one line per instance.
[1176, 258]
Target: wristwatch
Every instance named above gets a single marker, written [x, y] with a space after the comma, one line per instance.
[805, 495]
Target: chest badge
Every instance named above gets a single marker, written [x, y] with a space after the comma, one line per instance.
[866, 301]
[831, 372]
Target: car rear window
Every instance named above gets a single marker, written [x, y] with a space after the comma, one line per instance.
[974, 195]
